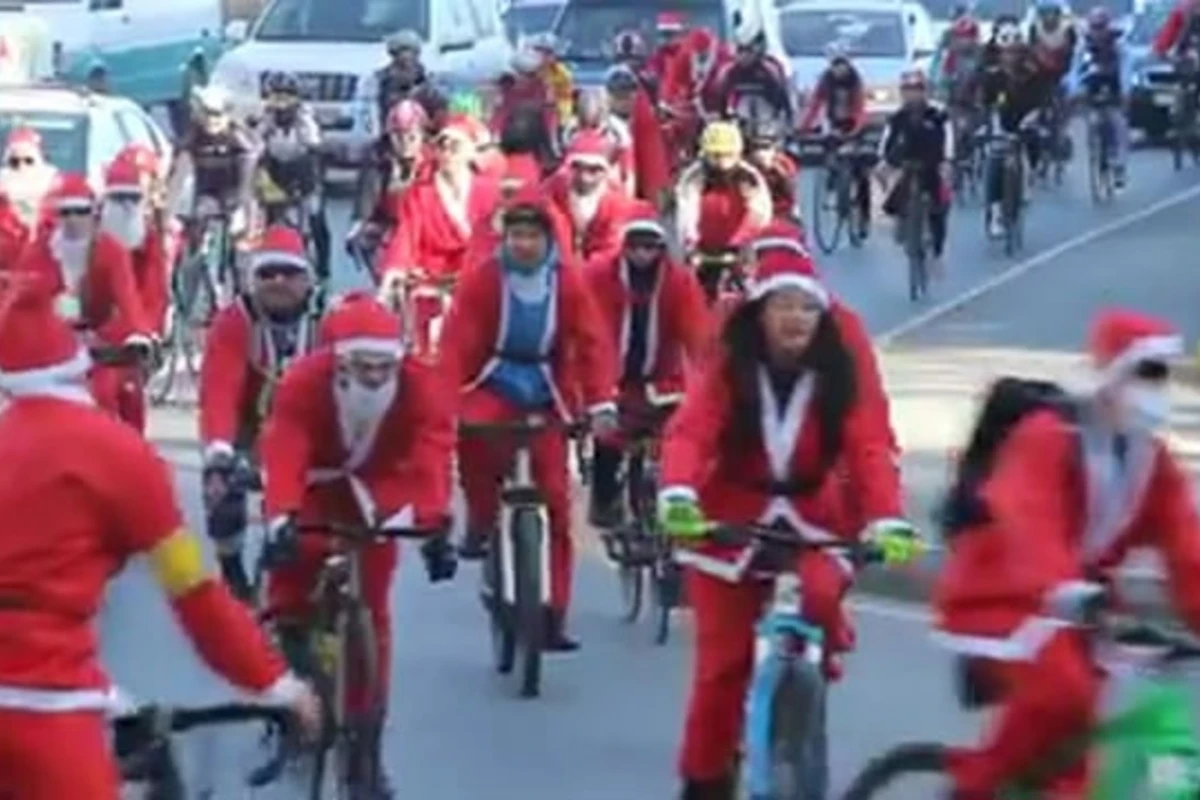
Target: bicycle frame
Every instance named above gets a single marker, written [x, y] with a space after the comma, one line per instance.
[518, 485]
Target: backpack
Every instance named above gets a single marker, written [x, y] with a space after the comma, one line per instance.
[1008, 401]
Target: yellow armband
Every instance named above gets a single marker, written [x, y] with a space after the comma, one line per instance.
[178, 563]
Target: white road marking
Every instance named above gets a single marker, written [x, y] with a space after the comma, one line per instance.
[891, 609]
[1039, 260]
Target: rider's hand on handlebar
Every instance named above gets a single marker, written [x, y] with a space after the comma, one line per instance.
[441, 560]
[281, 544]
[1076, 601]
[680, 516]
[897, 539]
[604, 421]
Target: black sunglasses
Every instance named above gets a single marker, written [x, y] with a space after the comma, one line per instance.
[75, 212]
[1152, 370]
[16, 162]
[270, 273]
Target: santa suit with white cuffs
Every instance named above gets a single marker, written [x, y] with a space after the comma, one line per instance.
[1066, 502]
[26, 179]
[335, 452]
[92, 279]
[80, 495]
[516, 343]
[782, 474]
[596, 216]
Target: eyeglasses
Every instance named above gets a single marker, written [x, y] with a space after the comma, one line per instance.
[645, 244]
[16, 162]
[273, 271]
[66, 213]
[125, 198]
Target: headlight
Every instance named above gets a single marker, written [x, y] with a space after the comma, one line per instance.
[883, 96]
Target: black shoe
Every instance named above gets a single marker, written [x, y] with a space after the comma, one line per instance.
[557, 640]
[606, 516]
[474, 546]
[717, 789]
[234, 573]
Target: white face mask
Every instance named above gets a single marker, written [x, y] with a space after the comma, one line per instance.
[126, 223]
[360, 407]
[1145, 406]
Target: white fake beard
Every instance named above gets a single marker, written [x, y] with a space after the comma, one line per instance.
[127, 224]
[26, 189]
[360, 409]
[584, 206]
[72, 258]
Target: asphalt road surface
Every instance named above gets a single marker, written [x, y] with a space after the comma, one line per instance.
[607, 725]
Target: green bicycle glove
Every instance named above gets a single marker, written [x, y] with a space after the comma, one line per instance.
[681, 517]
[897, 539]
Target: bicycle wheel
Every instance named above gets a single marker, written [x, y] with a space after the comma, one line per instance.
[159, 388]
[1011, 208]
[632, 573]
[500, 618]
[916, 770]
[828, 232]
[848, 208]
[529, 540]
[798, 750]
[1097, 164]
[914, 244]
[667, 579]
[359, 751]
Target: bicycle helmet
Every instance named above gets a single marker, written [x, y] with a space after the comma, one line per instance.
[404, 40]
[764, 131]
[621, 80]
[669, 23]
[913, 79]
[527, 61]
[1008, 36]
[407, 115]
[629, 46]
[836, 51]
[212, 99]
[721, 138]
[749, 34]
[546, 43]
[283, 83]
[965, 29]
[1048, 8]
[1099, 18]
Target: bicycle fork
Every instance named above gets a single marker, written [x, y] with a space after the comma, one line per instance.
[522, 476]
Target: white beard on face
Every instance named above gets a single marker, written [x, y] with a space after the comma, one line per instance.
[127, 224]
[360, 409]
[72, 258]
[584, 206]
[26, 189]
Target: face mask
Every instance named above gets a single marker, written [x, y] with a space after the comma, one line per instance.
[1145, 407]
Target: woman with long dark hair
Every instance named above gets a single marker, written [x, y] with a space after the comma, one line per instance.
[776, 430]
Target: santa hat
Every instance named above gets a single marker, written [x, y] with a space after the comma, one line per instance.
[590, 149]
[23, 138]
[778, 235]
[528, 206]
[73, 193]
[38, 350]
[123, 176]
[783, 267]
[359, 322]
[642, 217]
[669, 22]
[280, 245]
[519, 171]
[461, 128]
[1121, 339]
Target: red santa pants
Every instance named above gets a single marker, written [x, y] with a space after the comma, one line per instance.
[483, 465]
[119, 391]
[426, 306]
[53, 756]
[1048, 700]
[290, 587]
[726, 614]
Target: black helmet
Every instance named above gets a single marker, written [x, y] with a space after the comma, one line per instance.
[283, 83]
[763, 131]
[621, 80]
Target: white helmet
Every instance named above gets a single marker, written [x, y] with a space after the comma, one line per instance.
[836, 50]
[1008, 36]
[404, 40]
[527, 60]
[212, 99]
[546, 41]
[747, 31]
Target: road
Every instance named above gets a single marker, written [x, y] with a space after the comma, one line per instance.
[607, 725]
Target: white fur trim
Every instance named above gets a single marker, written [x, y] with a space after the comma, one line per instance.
[779, 243]
[123, 188]
[404, 518]
[1146, 348]
[607, 407]
[265, 258]
[589, 159]
[217, 450]
[1023, 644]
[644, 226]
[670, 494]
[761, 289]
[75, 204]
[285, 691]
[38, 381]
[369, 344]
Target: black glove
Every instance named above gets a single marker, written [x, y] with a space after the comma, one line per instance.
[281, 545]
[441, 562]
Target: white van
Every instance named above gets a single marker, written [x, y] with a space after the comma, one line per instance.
[335, 47]
[143, 43]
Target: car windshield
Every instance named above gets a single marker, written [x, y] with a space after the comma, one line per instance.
[342, 20]
[587, 31]
[527, 20]
[1145, 25]
[64, 135]
[864, 34]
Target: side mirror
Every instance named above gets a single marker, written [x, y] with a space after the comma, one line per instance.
[737, 18]
[236, 30]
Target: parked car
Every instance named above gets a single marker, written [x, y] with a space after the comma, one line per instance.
[1150, 80]
[82, 132]
[524, 18]
[335, 48]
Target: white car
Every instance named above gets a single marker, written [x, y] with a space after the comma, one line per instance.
[336, 46]
[883, 39]
[82, 132]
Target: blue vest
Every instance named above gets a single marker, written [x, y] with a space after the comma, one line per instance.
[519, 376]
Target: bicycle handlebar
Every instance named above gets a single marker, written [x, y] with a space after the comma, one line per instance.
[860, 552]
[342, 530]
[120, 355]
[525, 426]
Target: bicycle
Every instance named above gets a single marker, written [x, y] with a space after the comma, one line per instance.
[718, 272]
[843, 161]
[1151, 746]
[967, 168]
[915, 233]
[515, 586]
[639, 549]
[142, 743]
[1052, 129]
[1007, 149]
[1102, 143]
[786, 749]
[337, 638]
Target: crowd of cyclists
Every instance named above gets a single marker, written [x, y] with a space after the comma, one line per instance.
[521, 240]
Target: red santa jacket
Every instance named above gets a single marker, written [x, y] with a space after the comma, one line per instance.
[650, 162]
[992, 589]
[150, 270]
[711, 219]
[405, 461]
[595, 226]
[732, 480]
[671, 67]
[13, 235]
[108, 297]
[103, 498]
[678, 317]
[581, 362]
[238, 374]
[434, 227]
[616, 131]
[781, 180]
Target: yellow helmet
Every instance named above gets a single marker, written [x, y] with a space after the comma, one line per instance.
[721, 139]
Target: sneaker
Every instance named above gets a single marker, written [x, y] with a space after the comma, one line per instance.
[557, 640]
[474, 546]
[995, 224]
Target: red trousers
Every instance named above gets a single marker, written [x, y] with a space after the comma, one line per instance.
[288, 593]
[427, 307]
[725, 615]
[1048, 700]
[483, 465]
[54, 756]
[119, 391]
